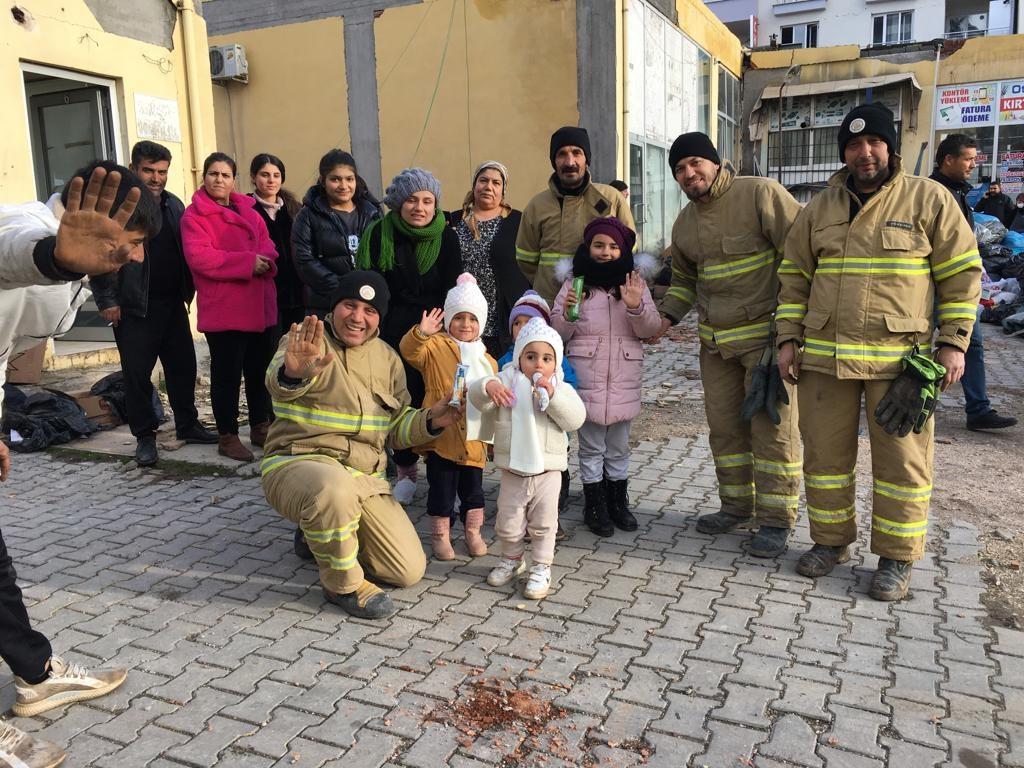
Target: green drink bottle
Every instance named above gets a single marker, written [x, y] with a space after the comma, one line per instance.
[574, 311]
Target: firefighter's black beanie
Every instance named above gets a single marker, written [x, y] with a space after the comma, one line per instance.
[874, 119]
[570, 136]
[695, 144]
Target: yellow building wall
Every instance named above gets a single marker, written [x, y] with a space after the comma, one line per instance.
[980, 59]
[507, 81]
[705, 29]
[67, 36]
[295, 104]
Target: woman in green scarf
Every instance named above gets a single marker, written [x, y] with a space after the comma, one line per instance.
[420, 259]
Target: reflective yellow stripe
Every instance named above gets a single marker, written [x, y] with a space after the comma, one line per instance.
[742, 491]
[881, 352]
[270, 463]
[957, 311]
[683, 294]
[829, 481]
[320, 417]
[903, 492]
[551, 258]
[856, 265]
[777, 500]
[956, 265]
[902, 530]
[530, 257]
[331, 534]
[681, 275]
[739, 333]
[738, 267]
[831, 516]
[404, 422]
[785, 468]
[705, 332]
[791, 312]
[338, 563]
[734, 460]
[788, 267]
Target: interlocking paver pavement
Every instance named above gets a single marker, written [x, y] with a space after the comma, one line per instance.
[664, 647]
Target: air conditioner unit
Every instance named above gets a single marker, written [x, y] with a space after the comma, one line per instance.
[227, 62]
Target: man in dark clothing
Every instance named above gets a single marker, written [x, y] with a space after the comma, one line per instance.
[995, 203]
[146, 304]
[954, 162]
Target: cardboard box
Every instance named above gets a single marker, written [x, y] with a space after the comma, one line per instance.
[27, 367]
[96, 409]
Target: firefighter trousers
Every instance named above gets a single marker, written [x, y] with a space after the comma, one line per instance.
[757, 462]
[352, 524]
[901, 468]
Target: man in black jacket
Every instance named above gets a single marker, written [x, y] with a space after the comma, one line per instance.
[954, 163]
[146, 304]
[995, 203]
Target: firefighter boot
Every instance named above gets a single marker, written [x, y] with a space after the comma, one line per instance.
[892, 579]
[820, 559]
[719, 522]
[769, 541]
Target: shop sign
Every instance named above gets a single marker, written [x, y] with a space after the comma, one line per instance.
[965, 105]
[1011, 101]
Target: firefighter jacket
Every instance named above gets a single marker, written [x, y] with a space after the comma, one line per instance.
[724, 256]
[552, 229]
[861, 285]
[358, 405]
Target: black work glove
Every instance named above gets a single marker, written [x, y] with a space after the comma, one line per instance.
[900, 406]
[776, 393]
[758, 389]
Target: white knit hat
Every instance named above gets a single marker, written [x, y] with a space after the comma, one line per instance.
[537, 330]
[466, 296]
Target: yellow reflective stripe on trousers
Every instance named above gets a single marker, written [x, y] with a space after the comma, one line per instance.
[738, 267]
[823, 482]
[683, 294]
[903, 492]
[956, 265]
[778, 500]
[823, 348]
[787, 267]
[734, 460]
[857, 265]
[902, 530]
[741, 491]
[831, 516]
[785, 468]
[791, 312]
[955, 310]
[270, 463]
[332, 534]
[320, 417]
[729, 335]
[530, 257]
[338, 563]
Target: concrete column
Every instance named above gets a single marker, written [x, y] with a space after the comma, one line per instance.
[363, 108]
[596, 83]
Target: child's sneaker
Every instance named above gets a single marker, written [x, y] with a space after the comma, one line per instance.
[506, 571]
[539, 583]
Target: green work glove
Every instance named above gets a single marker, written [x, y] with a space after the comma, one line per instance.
[911, 398]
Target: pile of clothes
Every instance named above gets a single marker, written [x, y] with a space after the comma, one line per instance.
[1002, 255]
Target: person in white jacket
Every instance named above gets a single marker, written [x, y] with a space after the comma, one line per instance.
[42, 263]
[530, 411]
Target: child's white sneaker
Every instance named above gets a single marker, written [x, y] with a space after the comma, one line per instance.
[539, 583]
[506, 571]
[404, 491]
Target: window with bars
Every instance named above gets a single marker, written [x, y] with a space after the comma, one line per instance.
[728, 114]
[896, 27]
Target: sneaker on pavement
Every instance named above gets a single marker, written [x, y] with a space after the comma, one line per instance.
[990, 420]
[769, 541]
[820, 559]
[506, 570]
[404, 490]
[145, 451]
[539, 583]
[20, 750]
[66, 683]
[892, 580]
[561, 534]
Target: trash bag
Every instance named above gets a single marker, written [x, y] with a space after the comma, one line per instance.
[43, 417]
[988, 229]
[1014, 241]
[1014, 323]
[997, 314]
[994, 257]
[1014, 266]
[111, 390]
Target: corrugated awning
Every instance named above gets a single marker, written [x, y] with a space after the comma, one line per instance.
[793, 90]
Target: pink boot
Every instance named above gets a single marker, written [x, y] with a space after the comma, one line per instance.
[440, 538]
[475, 543]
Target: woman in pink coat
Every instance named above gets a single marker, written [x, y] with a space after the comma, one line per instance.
[232, 259]
[615, 311]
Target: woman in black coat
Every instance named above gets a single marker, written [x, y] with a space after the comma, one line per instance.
[326, 235]
[487, 227]
[418, 255]
[278, 207]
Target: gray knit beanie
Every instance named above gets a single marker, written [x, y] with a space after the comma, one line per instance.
[409, 182]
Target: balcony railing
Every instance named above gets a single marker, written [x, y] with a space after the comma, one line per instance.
[966, 34]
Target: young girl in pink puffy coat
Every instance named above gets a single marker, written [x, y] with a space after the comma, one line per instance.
[616, 311]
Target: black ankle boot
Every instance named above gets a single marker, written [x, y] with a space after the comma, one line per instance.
[595, 509]
[618, 505]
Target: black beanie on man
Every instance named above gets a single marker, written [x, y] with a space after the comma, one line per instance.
[570, 136]
[364, 285]
[874, 119]
[695, 144]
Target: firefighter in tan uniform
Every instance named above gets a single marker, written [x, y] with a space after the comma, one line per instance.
[725, 250]
[865, 260]
[553, 221]
[339, 397]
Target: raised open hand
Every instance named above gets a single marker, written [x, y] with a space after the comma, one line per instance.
[91, 238]
[432, 322]
[305, 355]
[632, 291]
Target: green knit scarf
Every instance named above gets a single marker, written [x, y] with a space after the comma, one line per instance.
[427, 240]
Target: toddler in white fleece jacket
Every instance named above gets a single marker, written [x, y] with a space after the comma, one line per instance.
[530, 411]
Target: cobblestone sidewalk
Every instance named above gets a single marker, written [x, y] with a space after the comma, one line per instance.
[663, 648]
